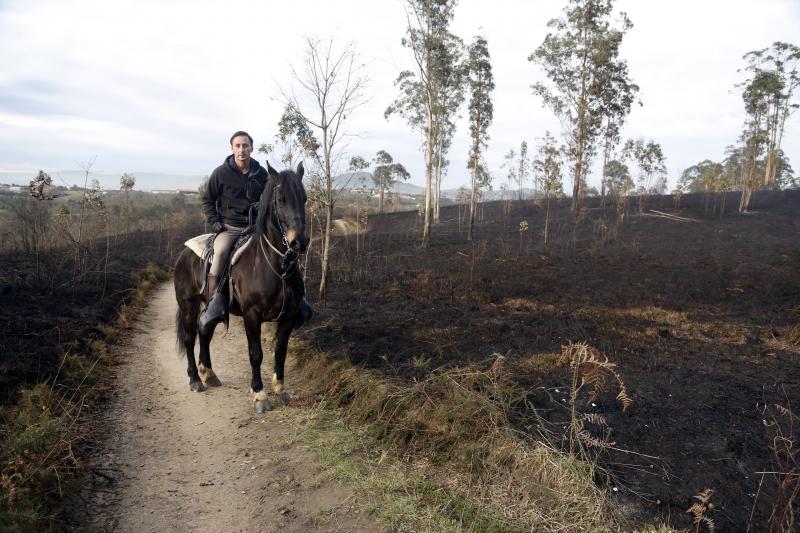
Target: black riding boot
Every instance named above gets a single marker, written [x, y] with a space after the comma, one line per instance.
[305, 310]
[217, 307]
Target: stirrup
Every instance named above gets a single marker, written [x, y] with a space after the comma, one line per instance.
[214, 313]
[306, 312]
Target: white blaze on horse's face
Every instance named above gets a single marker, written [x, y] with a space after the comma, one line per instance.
[241, 149]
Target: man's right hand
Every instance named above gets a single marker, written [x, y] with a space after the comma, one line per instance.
[217, 227]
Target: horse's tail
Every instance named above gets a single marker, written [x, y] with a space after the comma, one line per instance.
[180, 335]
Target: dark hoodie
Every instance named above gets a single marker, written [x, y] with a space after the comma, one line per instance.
[230, 193]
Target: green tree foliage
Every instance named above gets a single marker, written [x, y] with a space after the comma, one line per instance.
[588, 80]
[649, 159]
[618, 179]
[774, 79]
[547, 172]
[768, 100]
[480, 81]
[705, 176]
[386, 174]
[295, 137]
[510, 164]
[547, 167]
[38, 185]
[429, 94]
[126, 184]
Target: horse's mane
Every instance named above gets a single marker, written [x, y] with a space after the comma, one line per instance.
[264, 209]
[288, 179]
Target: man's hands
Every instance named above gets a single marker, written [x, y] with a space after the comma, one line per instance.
[217, 227]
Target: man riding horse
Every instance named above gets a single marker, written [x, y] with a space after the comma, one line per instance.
[232, 190]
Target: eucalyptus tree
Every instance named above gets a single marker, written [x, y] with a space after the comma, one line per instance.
[768, 101]
[580, 57]
[784, 173]
[524, 167]
[429, 93]
[652, 170]
[324, 94]
[619, 94]
[480, 81]
[510, 164]
[450, 73]
[618, 179]
[39, 185]
[386, 174]
[126, 183]
[754, 136]
[774, 79]
[547, 171]
[706, 177]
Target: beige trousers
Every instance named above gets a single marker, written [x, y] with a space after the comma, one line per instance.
[222, 248]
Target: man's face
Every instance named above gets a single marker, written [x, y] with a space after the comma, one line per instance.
[241, 148]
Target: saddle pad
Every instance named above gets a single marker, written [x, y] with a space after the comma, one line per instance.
[198, 245]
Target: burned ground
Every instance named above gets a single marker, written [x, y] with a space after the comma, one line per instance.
[698, 311]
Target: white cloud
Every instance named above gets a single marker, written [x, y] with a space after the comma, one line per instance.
[158, 86]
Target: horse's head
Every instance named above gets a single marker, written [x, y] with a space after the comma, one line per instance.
[288, 205]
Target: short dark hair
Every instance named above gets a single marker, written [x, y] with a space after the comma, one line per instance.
[241, 134]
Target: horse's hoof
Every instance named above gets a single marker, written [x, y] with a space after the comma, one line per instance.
[213, 381]
[196, 386]
[285, 397]
[262, 406]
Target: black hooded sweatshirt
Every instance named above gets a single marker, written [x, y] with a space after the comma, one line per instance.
[230, 193]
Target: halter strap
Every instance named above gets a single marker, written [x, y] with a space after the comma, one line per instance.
[292, 265]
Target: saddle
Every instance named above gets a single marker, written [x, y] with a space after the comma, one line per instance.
[203, 246]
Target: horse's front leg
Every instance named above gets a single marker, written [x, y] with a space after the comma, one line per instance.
[204, 368]
[282, 333]
[252, 326]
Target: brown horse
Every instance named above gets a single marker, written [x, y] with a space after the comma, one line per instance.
[266, 281]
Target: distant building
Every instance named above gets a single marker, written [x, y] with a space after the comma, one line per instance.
[185, 192]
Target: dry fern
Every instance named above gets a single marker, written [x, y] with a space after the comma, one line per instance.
[785, 471]
[699, 509]
[591, 371]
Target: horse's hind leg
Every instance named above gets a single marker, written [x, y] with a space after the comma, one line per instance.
[187, 333]
[204, 368]
[252, 326]
[284, 330]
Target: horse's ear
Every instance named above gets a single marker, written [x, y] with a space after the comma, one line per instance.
[300, 170]
[272, 173]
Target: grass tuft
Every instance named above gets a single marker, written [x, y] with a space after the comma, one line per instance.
[456, 425]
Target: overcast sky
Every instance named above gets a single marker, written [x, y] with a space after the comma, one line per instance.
[159, 86]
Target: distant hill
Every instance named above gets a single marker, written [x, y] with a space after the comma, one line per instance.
[351, 180]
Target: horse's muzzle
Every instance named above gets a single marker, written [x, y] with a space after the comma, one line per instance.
[298, 242]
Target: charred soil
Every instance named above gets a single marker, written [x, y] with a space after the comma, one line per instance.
[699, 312]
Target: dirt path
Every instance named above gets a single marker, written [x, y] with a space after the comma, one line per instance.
[184, 461]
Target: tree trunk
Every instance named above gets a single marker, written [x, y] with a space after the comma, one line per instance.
[323, 276]
[606, 154]
[473, 199]
[426, 224]
[326, 241]
[546, 217]
[438, 192]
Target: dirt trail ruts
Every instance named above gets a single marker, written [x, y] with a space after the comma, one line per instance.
[183, 461]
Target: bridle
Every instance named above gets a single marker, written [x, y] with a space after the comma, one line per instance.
[290, 259]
